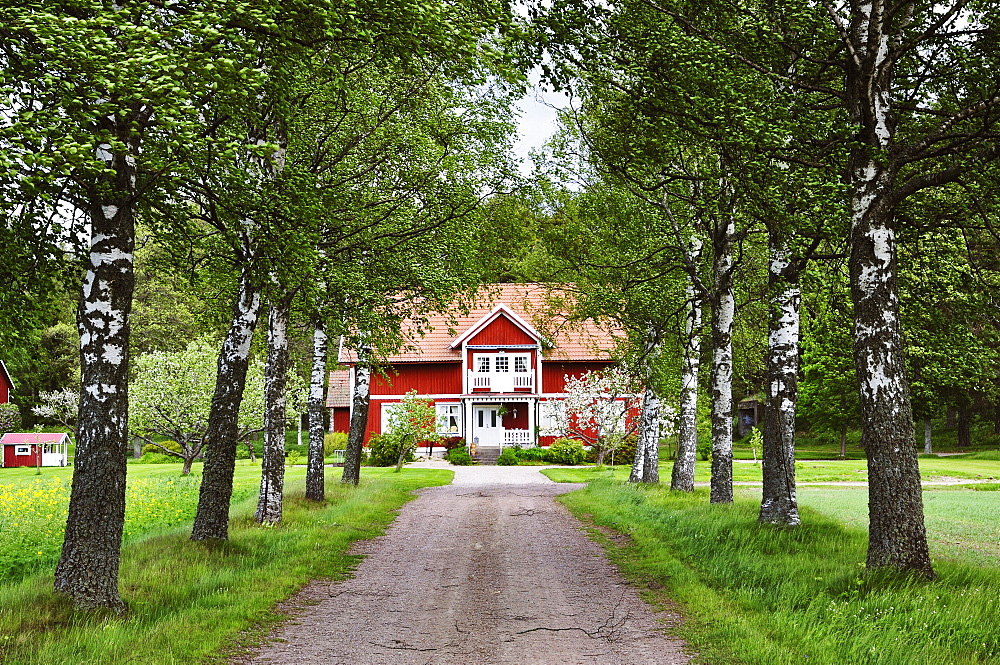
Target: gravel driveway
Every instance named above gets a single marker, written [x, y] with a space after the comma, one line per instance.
[486, 570]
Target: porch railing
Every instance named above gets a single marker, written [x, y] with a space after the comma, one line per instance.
[515, 437]
[501, 382]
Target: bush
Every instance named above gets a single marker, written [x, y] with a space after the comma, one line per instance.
[566, 451]
[383, 450]
[452, 442]
[531, 454]
[334, 441]
[10, 417]
[152, 448]
[704, 450]
[459, 457]
[157, 458]
[508, 458]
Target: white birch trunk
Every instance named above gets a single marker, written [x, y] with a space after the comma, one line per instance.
[723, 315]
[315, 480]
[360, 401]
[272, 481]
[682, 475]
[645, 467]
[927, 436]
[778, 504]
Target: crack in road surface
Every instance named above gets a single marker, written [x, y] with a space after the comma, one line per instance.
[501, 574]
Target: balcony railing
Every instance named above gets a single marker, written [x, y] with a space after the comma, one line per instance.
[501, 382]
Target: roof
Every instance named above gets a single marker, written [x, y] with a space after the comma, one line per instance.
[32, 437]
[542, 308]
[3, 369]
[338, 389]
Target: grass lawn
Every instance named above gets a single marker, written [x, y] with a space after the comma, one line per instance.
[188, 600]
[931, 469]
[765, 595]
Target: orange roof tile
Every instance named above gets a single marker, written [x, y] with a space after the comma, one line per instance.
[543, 306]
[338, 389]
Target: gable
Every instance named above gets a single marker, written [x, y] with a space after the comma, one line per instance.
[501, 331]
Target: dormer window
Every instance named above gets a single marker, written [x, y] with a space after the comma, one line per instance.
[482, 363]
[503, 363]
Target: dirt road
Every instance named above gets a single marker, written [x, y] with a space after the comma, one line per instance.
[487, 570]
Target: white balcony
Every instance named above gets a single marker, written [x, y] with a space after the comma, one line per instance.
[501, 382]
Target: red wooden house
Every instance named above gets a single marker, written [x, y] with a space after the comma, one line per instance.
[34, 449]
[6, 384]
[496, 375]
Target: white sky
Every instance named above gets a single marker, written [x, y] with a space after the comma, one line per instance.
[537, 122]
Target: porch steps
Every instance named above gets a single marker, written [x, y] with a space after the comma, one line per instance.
[487, 456]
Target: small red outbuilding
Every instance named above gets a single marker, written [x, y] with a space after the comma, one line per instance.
[34, 449]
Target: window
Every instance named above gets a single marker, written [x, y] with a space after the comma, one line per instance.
[482, 363]
[552, 416]
[22, 450]
[449, 418]
[503, 363]
[520, 363]
[387, 409]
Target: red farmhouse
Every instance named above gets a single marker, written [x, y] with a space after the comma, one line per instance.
[34, 449]
[495, 377]
[6, 384]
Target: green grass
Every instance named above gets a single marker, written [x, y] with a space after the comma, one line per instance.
[764, 595]
[808, 471]
[186, 600]
[33, 508]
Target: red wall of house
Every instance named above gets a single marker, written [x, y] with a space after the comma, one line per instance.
[10, 459]
[425, 378]
[341, 419]
[501, 331]
[4, 389]
[520, 421]
[554, 373]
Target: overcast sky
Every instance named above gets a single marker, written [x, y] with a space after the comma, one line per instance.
[537, 124]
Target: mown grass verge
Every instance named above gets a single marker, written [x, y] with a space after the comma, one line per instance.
[762, 595]
[187, 601]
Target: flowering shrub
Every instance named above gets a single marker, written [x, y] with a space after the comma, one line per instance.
[566, 451]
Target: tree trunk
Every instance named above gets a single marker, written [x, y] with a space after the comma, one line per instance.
[949, 418]
[359, 418]
[996, 418]
[964, 426]
[927, 436]
[896, 537]
[272, 471]
[843, 442]
[723, 314]
[186, 468]
[315, 489]
[646, 466]
[215, 495]
[88, 567]
[136, 447]
[682, 475]
[778, 504]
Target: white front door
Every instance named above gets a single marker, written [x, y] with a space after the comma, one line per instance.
[488, 425]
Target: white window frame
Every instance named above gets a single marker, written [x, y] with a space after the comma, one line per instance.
[446, 410]
[387, 408]
[525, 363]
[22, 450]
[481, 366]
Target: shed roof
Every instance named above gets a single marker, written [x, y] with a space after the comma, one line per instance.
[545, 307]
[33, 437]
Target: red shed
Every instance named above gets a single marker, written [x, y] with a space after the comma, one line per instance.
[34, 449]
[496, 375]
[6, 384]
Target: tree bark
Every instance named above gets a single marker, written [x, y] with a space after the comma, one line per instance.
[88, 568]
[212, 517]
[843, 441]
[272, 472]
[723, 314]
[646, 466]
[359, 418]
[949, 418]
[927, 436]
[964, 427]
[315, 489]
[897, 537]
[682, 475]
[778, 504]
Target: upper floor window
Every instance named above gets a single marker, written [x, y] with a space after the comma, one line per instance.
[501, 363]
[520, 363]
[482, 363]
